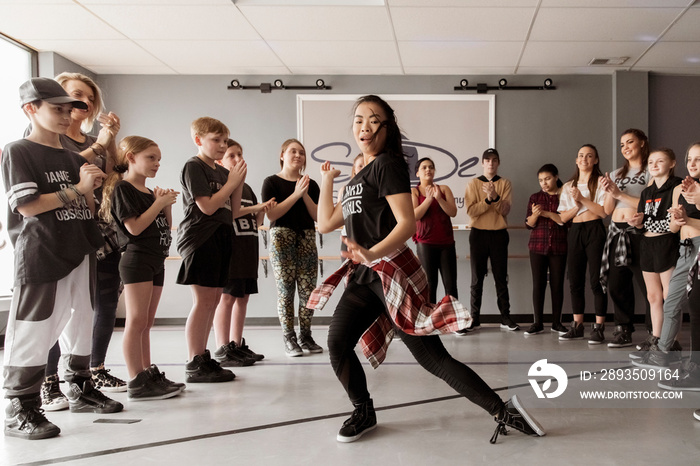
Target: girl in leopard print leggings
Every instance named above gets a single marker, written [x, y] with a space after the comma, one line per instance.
[293, 251]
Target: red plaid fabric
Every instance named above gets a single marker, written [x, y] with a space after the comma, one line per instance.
[406, 294]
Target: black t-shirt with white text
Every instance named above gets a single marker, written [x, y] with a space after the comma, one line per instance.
[245, 251]
[48, 246]
[128, 202]
[367, 214]
[199, 179]
[297, 217]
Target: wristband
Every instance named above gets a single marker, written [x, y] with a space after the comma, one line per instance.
[63, 197]
[75, 190]
[98, 149]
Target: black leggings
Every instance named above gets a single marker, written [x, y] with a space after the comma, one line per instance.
[434, 257]
[556, 266]
[620, 282]
[586, 244]
[358, 308]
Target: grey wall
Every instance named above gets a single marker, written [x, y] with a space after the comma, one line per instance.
[532, 128]
[674, 120]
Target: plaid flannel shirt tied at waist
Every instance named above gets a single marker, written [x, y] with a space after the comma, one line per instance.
[406, 295]
[622, 257]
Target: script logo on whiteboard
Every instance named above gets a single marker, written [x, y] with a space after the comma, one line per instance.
[451, 130]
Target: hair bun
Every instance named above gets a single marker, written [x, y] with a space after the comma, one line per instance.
[121, 168]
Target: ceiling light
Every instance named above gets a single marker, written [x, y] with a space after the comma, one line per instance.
[503, 82]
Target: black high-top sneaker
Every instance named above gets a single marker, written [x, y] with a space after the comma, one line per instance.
[514, 415]
[362, 420]
[25, 419]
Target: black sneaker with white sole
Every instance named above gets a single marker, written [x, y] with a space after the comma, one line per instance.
[83, 397]
[535, 329]
[25, 420]
[653, 359]
[474, 325]
[651, 340]
[514, 415]
[559, 328]
[362, 420]
[621, 337]
[597, 335]
[203, 369]
[689, 379]
[148, 386]
[696, 414]
[574, 333]
[307, 343]
[509, 324]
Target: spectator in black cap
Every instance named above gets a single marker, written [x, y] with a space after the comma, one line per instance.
[52, 228]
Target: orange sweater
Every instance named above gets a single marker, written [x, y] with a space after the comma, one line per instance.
[483, 215]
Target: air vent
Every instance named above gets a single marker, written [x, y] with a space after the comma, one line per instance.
[616, 61]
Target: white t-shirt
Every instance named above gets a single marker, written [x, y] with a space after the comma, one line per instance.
[566, 202]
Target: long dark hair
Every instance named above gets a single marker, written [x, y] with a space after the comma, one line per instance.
[639, 134]
[595, 173]
[552, 169]
[393, 145]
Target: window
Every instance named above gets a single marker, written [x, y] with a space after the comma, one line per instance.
[16, 68]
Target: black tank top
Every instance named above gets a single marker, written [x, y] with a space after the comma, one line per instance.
[690, 209]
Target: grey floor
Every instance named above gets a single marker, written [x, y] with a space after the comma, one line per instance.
[286, 411]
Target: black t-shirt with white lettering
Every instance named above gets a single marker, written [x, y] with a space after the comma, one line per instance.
[199, 179]
[245, 251]
[48, 246]
[367, 214]
[128, 202]
[297, 218]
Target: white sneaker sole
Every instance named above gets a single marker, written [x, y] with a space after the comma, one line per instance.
[56, 406]
[529, 419]
[119, 389]
[342, 439]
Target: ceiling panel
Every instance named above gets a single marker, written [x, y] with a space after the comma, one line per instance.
[614, 24]
[131, 69]
[401, 37]
[445, 54]
[459, 70]
[319, 23]
[563, 70]
[177, 22]
[346, 70]
[205, 54]
[464, 3]
[614, 3]
[28, 22]
[686, 29]
[101, 52]
[155, 2]
[579, 53]
[337, 54]
[466, 24]
[672, 55]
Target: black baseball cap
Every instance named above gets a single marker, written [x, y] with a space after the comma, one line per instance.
[490, 153]
[48, 90]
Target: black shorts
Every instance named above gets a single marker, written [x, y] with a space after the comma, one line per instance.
[208, 264]
[135, 267]
[658, 253]
[240, 287]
